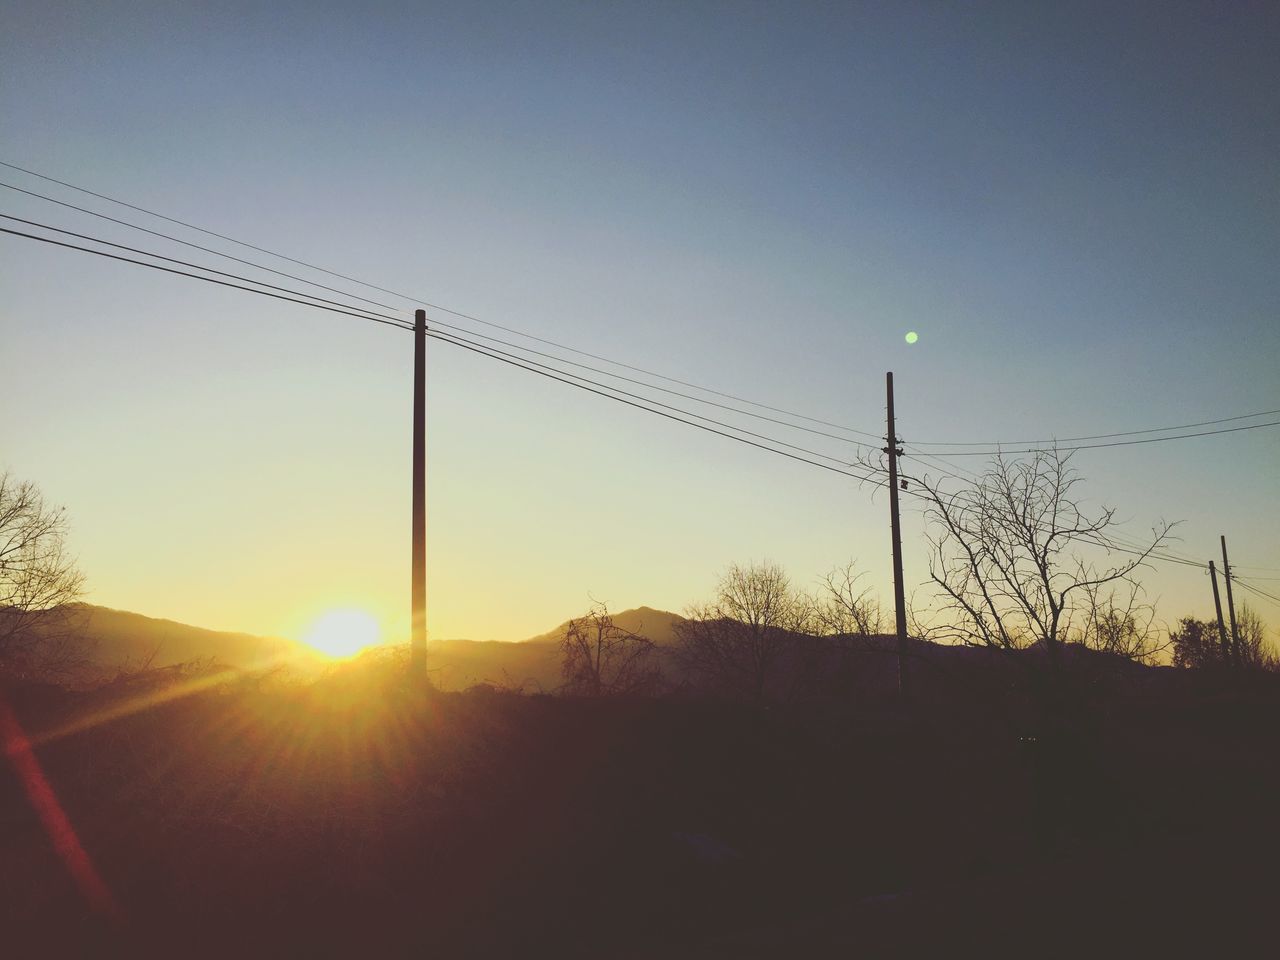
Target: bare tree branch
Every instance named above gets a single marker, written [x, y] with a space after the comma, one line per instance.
[1009, 560]
[39, 583]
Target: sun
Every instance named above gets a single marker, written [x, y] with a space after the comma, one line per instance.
[343, 633]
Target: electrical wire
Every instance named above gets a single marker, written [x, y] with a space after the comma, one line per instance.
[196, 276]
[436, 324]
[1096, 436]
[194, 246]
[337, 307]
[1254, 590]
[1114, 443]
[119, 246]
[433, 306]
[458, 341]
[488, 352]
[197, 266]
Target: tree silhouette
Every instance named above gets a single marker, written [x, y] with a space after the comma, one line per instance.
[38, 582]
[739, 641]
[1010, 560]
[601, 659]
[1196, 643]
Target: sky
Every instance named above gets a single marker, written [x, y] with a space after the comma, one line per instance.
[1075, 206]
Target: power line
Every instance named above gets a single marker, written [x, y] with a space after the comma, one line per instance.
[514, 346]
[487, 351]
[371, 286]
[194, 246]
[196, 276]
[499, 354]
[1114, 443]
[605, 373]
[192, 226]
[506, 358]
[369, 315]
[562, 346]
[187, 263]
[1097, 436]
[291, 276]
[1254, 590]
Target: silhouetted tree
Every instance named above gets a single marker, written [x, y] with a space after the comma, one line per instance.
[602, 659]
[1118, 622]
[848, 620]
[39, 582]
[738, 643]
[1009, 558]
[1255, 651]
[1196, 643]
[846, 608]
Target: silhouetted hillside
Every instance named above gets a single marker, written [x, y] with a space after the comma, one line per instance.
[113, 640]
[118, 639]
[657, 625]
[533, 664]
[459, 664]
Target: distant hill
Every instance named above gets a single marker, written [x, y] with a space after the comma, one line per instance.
[532, 663]
[116, 639]
[657, 625]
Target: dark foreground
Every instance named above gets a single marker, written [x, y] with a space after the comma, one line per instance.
[356, 818]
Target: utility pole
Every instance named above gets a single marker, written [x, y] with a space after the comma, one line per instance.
[1217, 605]
[899, 602]
[418, 641]
[1231, 606]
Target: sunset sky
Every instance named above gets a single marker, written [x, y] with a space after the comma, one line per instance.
[1075, 206]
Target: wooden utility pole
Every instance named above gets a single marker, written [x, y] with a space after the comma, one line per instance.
[418, 641]
[1231, 606]
[1217, 605]
[899, 602]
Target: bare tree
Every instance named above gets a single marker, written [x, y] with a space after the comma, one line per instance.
[602, 659]
[1119, 622]
[39, 582]
[1009, 556]
[845, 608]
[1255, 650]
[739, 641]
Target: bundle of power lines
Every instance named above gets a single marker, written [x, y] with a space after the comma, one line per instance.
[549, 360]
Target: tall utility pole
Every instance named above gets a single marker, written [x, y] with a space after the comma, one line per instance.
[899, 602]
[1231, 606]
[1217, 605]
[418, 641]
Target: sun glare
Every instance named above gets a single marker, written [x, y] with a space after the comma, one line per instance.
[343, 633]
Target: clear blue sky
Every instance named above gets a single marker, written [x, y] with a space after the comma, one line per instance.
[1077, 206]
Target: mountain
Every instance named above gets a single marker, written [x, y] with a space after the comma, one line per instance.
[115, 640]
[118, 639]
[533, 664]
[657, 625]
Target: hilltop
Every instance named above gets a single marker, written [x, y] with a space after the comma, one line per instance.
[121, 640]
[113, 640]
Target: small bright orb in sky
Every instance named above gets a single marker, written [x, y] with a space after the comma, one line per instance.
[343, 633]
[912, 337]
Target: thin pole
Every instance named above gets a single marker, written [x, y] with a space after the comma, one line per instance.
[1231, 606]
[418, 642]
[899, 601]
[1217, 605]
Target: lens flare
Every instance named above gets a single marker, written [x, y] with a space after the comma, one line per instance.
[912, 337]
